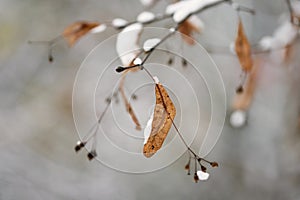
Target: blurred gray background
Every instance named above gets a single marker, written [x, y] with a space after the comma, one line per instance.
[37, 158]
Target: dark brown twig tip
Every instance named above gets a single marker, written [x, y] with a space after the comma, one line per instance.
[50, 58]
[108, 100]
[184, 62]
[79, 146]
[187, 166]
[203, 168]
[214, 164]
[134, 97]
[196, 178]
[120, 69]
[138, 128]
[91, 155]
[239, 89]
[170, 61]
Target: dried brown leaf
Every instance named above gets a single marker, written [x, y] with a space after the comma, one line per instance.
[164, 113]
[76, 30]
[243, 49]
[128, 106]
[187, 28]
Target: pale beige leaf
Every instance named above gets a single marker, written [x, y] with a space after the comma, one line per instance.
[164, 113]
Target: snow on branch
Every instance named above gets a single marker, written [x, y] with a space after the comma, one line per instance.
[127, 43]
[183, 9]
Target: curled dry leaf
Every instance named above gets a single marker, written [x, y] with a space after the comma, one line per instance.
[192, 25]
[243, 49]
[128, 106]
[76, 30]
[164, 113]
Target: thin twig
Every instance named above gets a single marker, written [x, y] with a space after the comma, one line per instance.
[159, 43]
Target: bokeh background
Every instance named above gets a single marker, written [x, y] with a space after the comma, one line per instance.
[37, 159]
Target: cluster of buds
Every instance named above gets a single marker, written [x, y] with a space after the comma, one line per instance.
[199, 174]
[91, 155]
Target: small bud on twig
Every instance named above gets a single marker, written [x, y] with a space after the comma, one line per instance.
[120, 69]
[50, 58]
[79, 146]
[203, 168]
[239, 89]
[214, 164]
[184, 62]
[91, 155]
[170, 61]
[196, 178]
